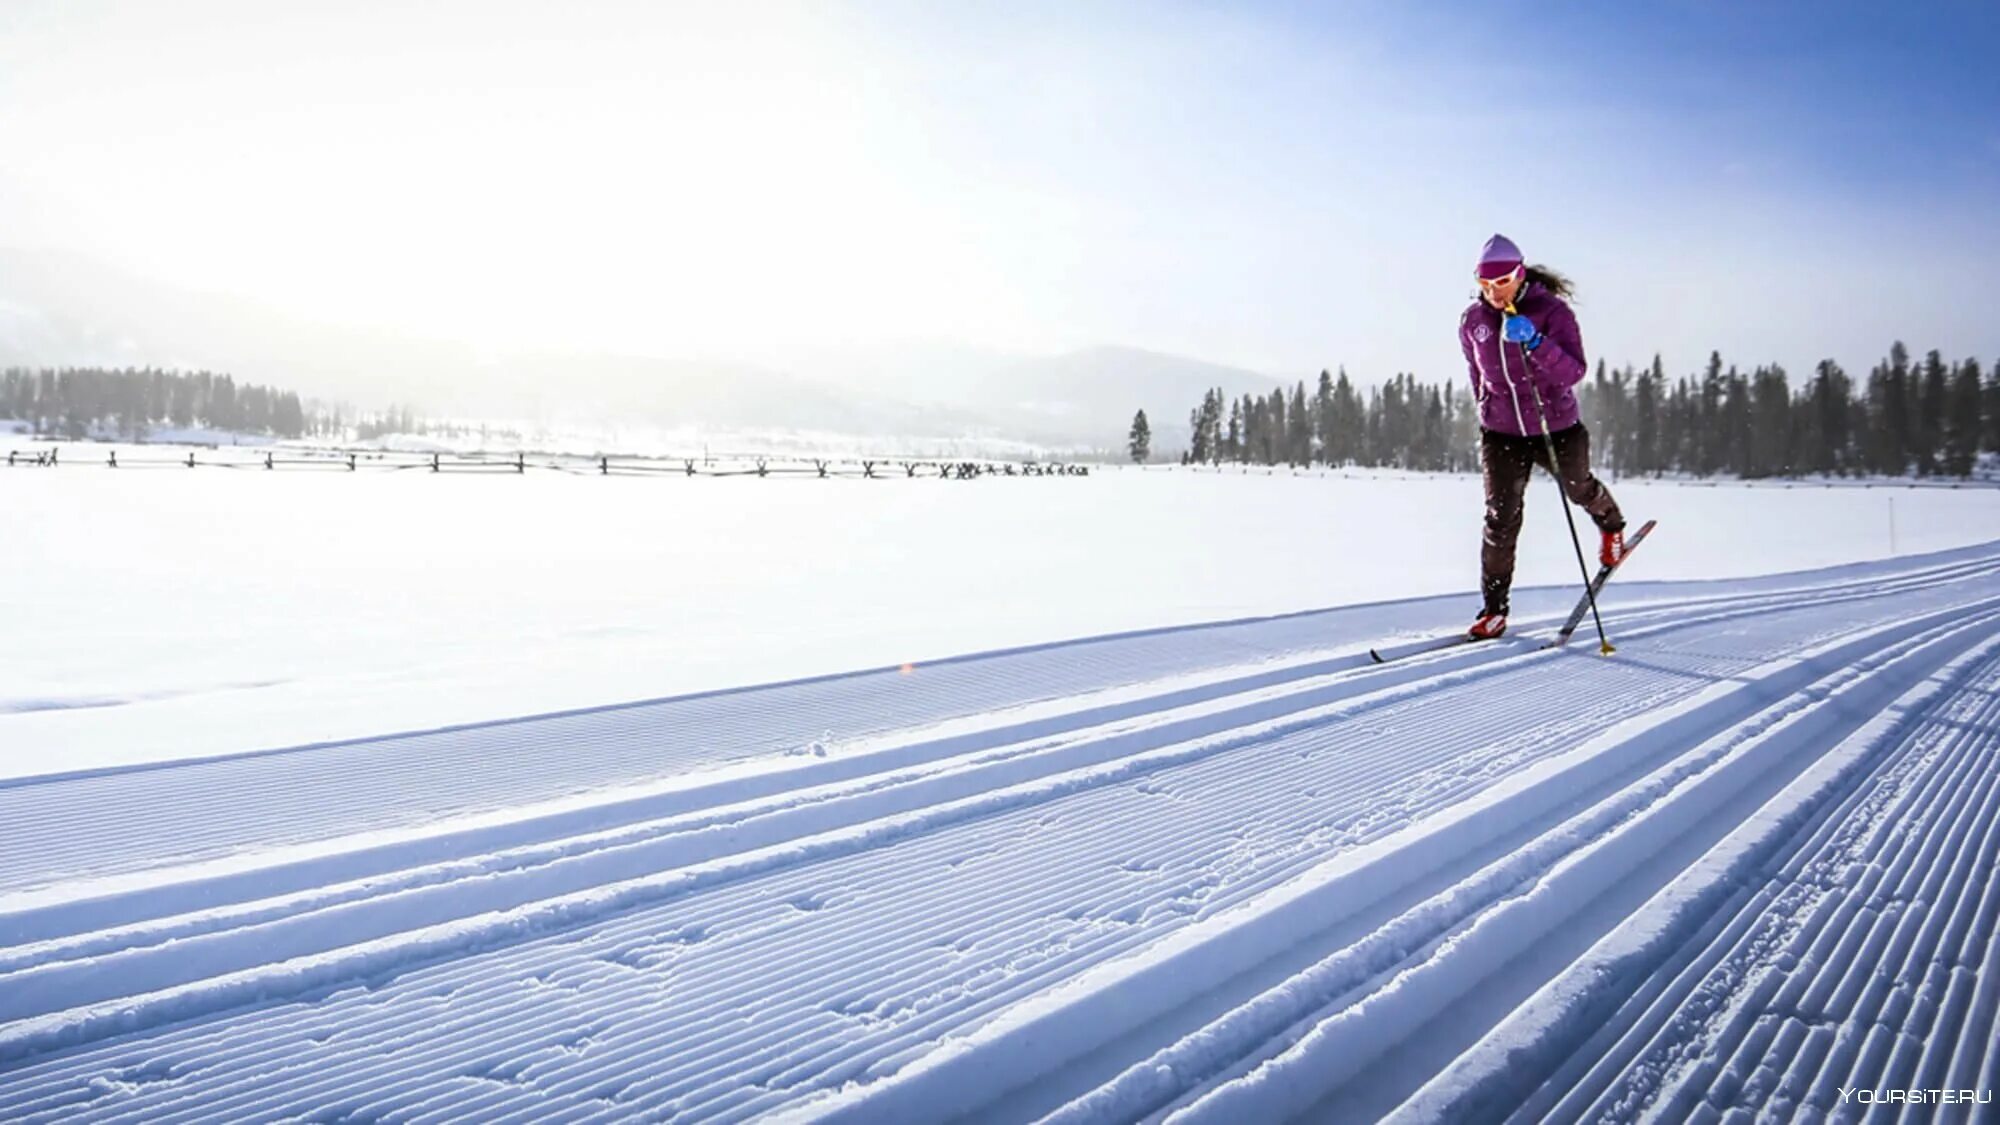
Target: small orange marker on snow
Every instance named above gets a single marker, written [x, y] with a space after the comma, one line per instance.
[908, 668]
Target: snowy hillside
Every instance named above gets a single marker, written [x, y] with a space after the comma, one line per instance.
[64, 309]
[1200, 872]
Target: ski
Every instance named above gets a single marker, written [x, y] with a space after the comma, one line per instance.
[1597, 585]
[1458, 640]
[1425, 647]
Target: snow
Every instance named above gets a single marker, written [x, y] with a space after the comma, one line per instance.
[413, 797]
[229, 611]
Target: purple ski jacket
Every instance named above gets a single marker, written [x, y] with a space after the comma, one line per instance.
[1506, 391]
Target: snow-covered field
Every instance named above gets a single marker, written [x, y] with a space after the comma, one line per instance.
[1219, 866]
[172, 613]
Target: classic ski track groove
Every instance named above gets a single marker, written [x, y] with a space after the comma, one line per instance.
[748, 957]
[1316, 1060]
[46, 833]
[66, 828]
[397, 892]
[1877, 995]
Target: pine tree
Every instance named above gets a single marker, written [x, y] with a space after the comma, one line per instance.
[1860, 422]
[1141, 445]
[1322, 418]
[223, 413]
[1211, 423]
[1676, 428]
[1604, 410]
[159, 396]
[1829, 409]
[1646, 419]
[289, 419]
[1710, 439]
[1770, 423]
[1215, 421]
[1895, 416]
[1736, 426]
[1990, 412]
[1962, 421]
[1198, 451]
[1349, 422]
[1621, 418]
[1273, 449]
[1432, 447]
[1382, 443]
[1933, 388]
[1298, 429]
[130, 395]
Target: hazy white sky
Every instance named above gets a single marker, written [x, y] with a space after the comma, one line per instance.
[1278, 188]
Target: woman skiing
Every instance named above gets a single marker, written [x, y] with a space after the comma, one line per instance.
[1526, 357]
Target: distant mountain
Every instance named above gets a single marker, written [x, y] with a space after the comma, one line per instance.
[62, 309]
[69, 309]
[1084, 397]
[58, 309]
[1092, 394]
[578, 386]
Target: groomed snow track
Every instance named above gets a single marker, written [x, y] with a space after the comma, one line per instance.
[1225, 873]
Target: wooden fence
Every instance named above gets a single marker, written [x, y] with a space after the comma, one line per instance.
[521, 463]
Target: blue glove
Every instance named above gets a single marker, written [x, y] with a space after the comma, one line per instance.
[1520, 330]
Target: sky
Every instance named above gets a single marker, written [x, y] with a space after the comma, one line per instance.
[1283, 187]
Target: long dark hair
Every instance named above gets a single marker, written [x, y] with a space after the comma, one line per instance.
[1552, 281]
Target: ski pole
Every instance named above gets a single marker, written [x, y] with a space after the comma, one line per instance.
[1555, 469]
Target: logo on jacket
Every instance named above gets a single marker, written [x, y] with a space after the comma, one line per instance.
[1483, 333]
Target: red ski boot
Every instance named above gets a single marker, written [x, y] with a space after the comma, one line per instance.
[1612, 551]
[1489, 626]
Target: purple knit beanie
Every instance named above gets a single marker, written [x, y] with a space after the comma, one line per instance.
[1499, 257]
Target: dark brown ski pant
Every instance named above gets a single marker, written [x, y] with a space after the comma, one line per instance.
[1506, 462]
